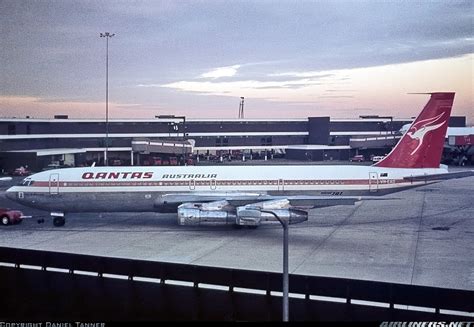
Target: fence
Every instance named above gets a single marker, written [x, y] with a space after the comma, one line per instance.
[34, 282]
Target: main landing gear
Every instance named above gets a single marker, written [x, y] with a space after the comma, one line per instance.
[58, 219]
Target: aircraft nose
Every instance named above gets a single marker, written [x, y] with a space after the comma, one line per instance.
[10, 194]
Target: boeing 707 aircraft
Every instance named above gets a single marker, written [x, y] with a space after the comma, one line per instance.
[241, 194]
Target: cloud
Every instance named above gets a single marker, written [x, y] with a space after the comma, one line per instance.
[380, 86]
[51, 50]
[235, 87]
[228, 71]
[313, 74]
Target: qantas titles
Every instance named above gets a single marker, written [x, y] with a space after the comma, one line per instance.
[141, 175]
[117, 175]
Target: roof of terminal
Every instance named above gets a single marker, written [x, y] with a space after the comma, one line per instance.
[192, 120]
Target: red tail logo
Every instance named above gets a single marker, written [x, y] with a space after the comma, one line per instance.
[418, 131]
[422, 144]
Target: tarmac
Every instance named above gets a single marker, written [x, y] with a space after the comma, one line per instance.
[422, 236]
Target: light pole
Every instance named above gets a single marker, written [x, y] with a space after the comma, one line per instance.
[284, 223]
[286, 217]
[241, 108]
[107, 36]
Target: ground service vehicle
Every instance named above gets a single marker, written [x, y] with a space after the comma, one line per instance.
[358, 158]
[10, 217]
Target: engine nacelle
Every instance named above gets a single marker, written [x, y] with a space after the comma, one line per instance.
[248, 217]
[252, 216]
[220, 212]
[194, 214]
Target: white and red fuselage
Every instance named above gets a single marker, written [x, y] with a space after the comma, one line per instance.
[141, 188]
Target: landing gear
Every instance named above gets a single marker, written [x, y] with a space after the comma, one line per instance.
[58, 219]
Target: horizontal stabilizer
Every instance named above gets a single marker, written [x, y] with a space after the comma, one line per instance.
[440, 177]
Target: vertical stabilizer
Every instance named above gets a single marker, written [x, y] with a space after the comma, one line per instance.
[422, 145]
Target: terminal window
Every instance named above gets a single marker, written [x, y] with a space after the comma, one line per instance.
[11, 129]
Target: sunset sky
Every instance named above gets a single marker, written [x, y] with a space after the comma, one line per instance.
[287, 58]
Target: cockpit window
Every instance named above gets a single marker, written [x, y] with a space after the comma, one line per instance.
[25, 182]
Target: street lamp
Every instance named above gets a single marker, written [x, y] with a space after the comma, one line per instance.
[107, 36]
[284, 223]
[287, 218]
[241, 108]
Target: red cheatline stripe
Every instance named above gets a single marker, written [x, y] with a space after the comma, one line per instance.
[217, 182]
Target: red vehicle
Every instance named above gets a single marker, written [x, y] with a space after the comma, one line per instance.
[8, 216]
[173, 161]
[358, 158]
[21, 171]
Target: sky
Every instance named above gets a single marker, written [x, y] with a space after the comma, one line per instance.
[289, 59]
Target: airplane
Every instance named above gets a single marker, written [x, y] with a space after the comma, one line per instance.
[244, 195]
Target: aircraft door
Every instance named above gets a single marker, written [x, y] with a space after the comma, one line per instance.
[281, 185]
[54, 184]
[373, 182]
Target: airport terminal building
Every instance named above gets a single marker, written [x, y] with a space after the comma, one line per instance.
[78, 142]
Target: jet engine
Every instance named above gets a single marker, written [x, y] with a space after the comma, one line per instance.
[269, 211]
[220, 212]
[249, 216]
[212, 213]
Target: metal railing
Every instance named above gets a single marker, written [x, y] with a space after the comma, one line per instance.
[390, 294]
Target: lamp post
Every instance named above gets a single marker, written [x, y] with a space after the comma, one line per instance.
[284, 223]
[241, 108]
[107, 36]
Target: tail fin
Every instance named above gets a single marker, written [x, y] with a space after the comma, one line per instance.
[422, 145]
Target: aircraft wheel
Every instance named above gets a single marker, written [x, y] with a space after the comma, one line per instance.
[5, 220]
[59, 221]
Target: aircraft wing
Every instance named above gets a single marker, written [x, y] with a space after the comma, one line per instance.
[440, 177]
[246, 209]
[4, 180]
[241, 199]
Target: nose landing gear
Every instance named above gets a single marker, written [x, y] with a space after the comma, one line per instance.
[58, 219]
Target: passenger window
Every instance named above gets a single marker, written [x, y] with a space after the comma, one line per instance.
[384, 175]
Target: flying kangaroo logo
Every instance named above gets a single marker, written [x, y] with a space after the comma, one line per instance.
[419, 129]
